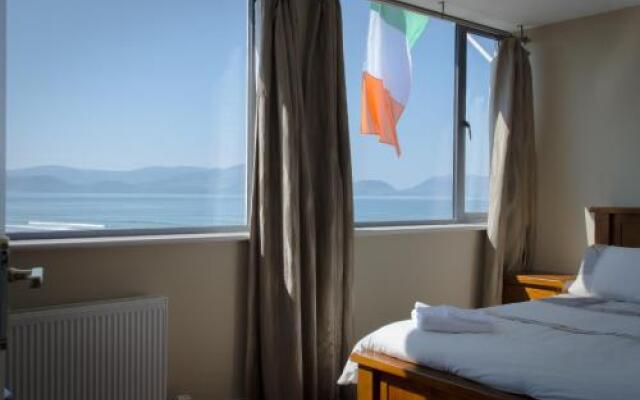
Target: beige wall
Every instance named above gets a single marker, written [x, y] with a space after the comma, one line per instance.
[204, 283]
[587, 87]
[394, 271]
[200, 279]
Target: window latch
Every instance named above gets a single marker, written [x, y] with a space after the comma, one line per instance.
[467, 126]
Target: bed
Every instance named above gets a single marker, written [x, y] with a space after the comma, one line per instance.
[386, 367]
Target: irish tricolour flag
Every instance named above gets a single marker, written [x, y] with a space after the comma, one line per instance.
[386, 81]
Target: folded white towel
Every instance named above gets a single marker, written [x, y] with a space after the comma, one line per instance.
[450, 319]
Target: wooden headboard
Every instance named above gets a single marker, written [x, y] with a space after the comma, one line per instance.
[617, 226]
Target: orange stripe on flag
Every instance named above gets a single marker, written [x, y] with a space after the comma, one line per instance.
[380, 111]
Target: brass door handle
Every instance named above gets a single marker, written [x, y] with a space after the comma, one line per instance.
[35, 276]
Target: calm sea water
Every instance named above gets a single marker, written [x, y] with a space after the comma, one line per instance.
[34, 212]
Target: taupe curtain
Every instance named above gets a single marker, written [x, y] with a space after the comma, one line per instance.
[300, 267]
[512, 209]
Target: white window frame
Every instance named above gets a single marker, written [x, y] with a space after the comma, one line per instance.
[460, 216]
[233, 230]
[460, 127]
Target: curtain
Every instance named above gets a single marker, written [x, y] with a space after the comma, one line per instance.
[300, 264]
[512, 208]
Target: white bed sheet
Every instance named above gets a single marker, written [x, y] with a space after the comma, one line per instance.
[565, 348]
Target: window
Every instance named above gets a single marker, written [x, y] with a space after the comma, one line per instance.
[481, 51]
[437, 178]
[126, 115]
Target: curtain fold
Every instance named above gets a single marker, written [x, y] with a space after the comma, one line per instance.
[512, 208]
[300, 265]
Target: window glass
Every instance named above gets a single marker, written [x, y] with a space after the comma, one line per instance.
[126, 114]
[481, 52]
[418, 184]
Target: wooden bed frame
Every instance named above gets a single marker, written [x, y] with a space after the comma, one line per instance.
[382, 377]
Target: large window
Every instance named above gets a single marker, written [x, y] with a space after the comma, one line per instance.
[442, 172]
[126, 115]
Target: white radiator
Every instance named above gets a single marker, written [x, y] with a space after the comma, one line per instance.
[113, 350]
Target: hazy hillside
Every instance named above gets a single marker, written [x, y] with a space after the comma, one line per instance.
[477, 186]
[373, 188]
[54, 179]
[182, 180]
[435, 186]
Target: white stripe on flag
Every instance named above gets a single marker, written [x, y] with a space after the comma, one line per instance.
[389, 58]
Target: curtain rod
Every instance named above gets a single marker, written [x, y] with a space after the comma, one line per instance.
[499, 33]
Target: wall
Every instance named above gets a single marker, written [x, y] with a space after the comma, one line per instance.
[587, 89]
[204, 283]
[392, 272]
[200, 279]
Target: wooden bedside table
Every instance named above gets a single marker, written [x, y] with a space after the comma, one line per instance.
[533, 286]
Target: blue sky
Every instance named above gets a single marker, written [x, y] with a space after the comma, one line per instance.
[124, 84]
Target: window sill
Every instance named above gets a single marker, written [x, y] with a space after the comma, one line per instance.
[417, 229]
[108, 241]
[29, 244]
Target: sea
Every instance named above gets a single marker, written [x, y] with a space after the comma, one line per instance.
[47, 212]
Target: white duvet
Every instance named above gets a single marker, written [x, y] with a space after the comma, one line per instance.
[562, 348]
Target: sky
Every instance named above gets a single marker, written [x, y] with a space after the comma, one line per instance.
[124, 84]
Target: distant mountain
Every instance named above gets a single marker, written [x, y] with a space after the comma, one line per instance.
[55, 179]
[78, 176]
[477, 186]
[220, 181]
[435, 186]
[43, 183]
[184, 180]
[373, 188]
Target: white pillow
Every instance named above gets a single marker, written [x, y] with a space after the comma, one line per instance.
[583, 284]
[610, 272]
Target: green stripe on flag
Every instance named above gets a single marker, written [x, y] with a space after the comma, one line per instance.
[408, 22]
